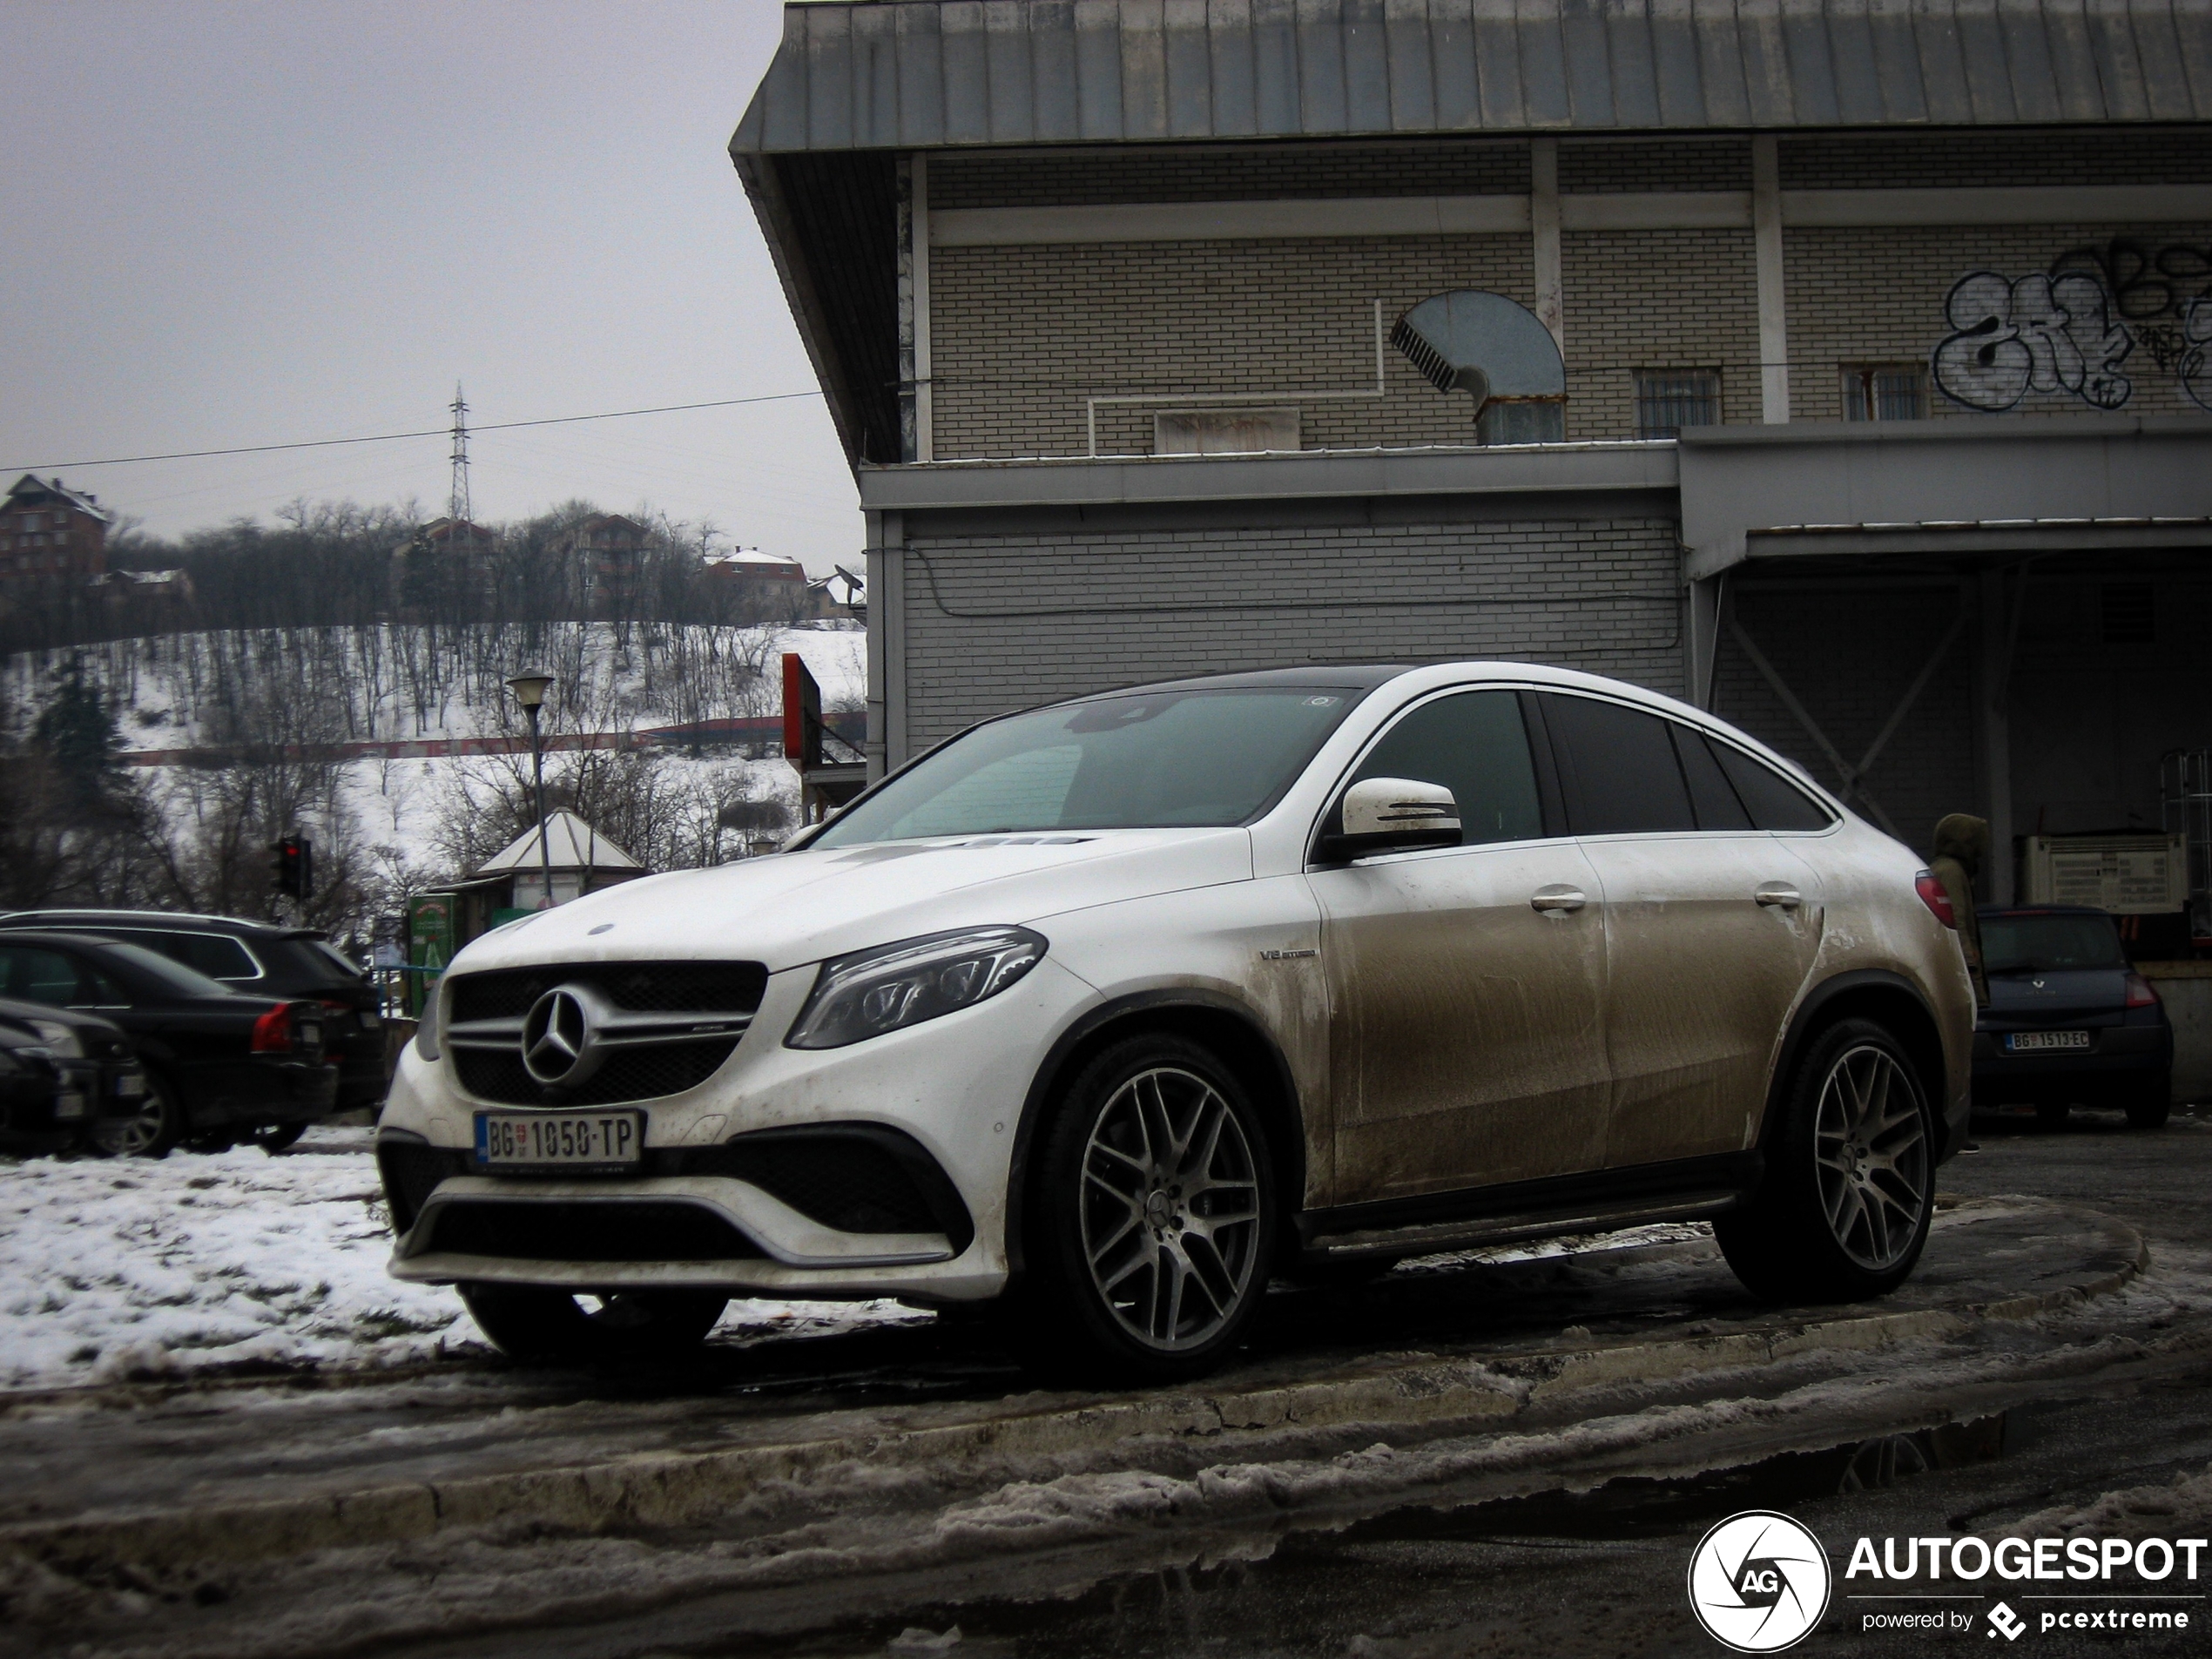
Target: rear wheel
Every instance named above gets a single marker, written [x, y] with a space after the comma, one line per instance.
[1152, 1217]
[2150, 1101]
[149, 1132]
[536, 1325]
[1844, 1209]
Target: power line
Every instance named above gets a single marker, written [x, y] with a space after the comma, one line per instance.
[392, 437]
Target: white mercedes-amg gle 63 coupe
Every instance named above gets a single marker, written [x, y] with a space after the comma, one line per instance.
[1112, 1011]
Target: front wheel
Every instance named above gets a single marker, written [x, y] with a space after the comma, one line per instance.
[1844, 1209]
[1152, 1216]
[540, 1325]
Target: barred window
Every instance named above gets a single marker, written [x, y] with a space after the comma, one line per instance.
[1885, 392]
[1670, 399]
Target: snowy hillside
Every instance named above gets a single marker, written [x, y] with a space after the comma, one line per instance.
[198, 714]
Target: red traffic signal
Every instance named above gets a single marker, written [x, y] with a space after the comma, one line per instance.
[292, 865]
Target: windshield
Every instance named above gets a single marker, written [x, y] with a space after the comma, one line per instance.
[2021, 944]
[173, 977]
[1149, 760]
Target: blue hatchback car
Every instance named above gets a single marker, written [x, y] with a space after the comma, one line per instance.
[2069, 1021]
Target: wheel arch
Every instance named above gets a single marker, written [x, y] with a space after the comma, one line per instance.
[1878, 994]
[1217, 1022]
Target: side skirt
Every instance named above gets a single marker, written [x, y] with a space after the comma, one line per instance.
[1690, 1189]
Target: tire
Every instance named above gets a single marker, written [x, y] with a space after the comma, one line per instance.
[150, 1132]
[2051, 1113]
[1843, 1211]
[537, 1325]
[2150, 1101]
[274, 1138]
[1152, 1217]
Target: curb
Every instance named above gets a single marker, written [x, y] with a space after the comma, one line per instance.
[685, 1489]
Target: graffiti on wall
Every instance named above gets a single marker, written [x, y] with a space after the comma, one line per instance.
[2070, 331]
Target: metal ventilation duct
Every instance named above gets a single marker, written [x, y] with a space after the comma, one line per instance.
[1470, 341]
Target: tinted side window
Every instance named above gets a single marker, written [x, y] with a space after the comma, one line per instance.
[39, 975]
[1775, 802]
[1617, 768]
[1709, 791]
[1474, 743]
[216, 955]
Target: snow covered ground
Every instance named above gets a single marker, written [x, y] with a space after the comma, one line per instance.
[198, 1263]
[203, 1264]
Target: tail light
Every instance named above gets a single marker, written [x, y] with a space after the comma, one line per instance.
[2139, 994]
[272, 1031]
[1933, 895]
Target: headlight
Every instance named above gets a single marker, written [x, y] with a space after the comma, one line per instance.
[60, 1038]
[425, 1029]
[874, 991]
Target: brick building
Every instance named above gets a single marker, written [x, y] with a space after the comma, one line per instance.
[610, 553]
[1867, 347]
[51, 536]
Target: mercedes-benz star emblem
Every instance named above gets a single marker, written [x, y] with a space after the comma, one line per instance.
[557, 1045]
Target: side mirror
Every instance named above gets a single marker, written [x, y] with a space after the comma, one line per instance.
[1392, 815]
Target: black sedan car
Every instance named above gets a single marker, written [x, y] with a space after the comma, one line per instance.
[2069, 1023]
[220, 1067]
[67, 1078]
[261, 959]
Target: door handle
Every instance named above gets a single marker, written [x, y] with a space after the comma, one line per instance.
[1780, 895]
[1558, 899]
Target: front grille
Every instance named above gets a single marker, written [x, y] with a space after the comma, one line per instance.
[411, 1173]
[858, 1178]
[619, 1231]
[633, 1074]
[637, 987]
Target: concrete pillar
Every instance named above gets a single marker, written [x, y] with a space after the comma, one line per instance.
[1543, 224]
[925, 420]
[1993, 729]
[1702, 636]
[1774, 317]
[876, 563]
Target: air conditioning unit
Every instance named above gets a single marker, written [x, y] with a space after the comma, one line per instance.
[2137, 874]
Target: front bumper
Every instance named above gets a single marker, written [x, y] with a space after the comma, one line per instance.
[954, 1087]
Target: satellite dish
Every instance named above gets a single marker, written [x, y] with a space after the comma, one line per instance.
[1482, 343]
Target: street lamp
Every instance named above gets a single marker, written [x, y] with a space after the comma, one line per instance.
[530, 691]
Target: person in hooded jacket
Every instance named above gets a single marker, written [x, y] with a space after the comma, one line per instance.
[1961, 848]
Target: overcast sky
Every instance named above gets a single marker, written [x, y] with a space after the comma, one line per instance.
[234, 224]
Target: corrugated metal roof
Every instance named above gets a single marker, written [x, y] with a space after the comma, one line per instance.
[928, 73]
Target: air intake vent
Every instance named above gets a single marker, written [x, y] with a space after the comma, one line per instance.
[642, 987]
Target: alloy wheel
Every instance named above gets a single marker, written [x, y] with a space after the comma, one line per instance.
[1871, 1144]
[1170, 1209]
[132, 1136]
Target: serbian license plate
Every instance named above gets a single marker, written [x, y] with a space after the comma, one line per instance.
[2028, 1041]
[129, 1085]
[560, 1140]
[68, 1105]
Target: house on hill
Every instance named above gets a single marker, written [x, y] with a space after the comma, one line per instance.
[53, 540]
[610, 553]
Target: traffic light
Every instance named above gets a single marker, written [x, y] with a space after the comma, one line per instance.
[291, 863]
